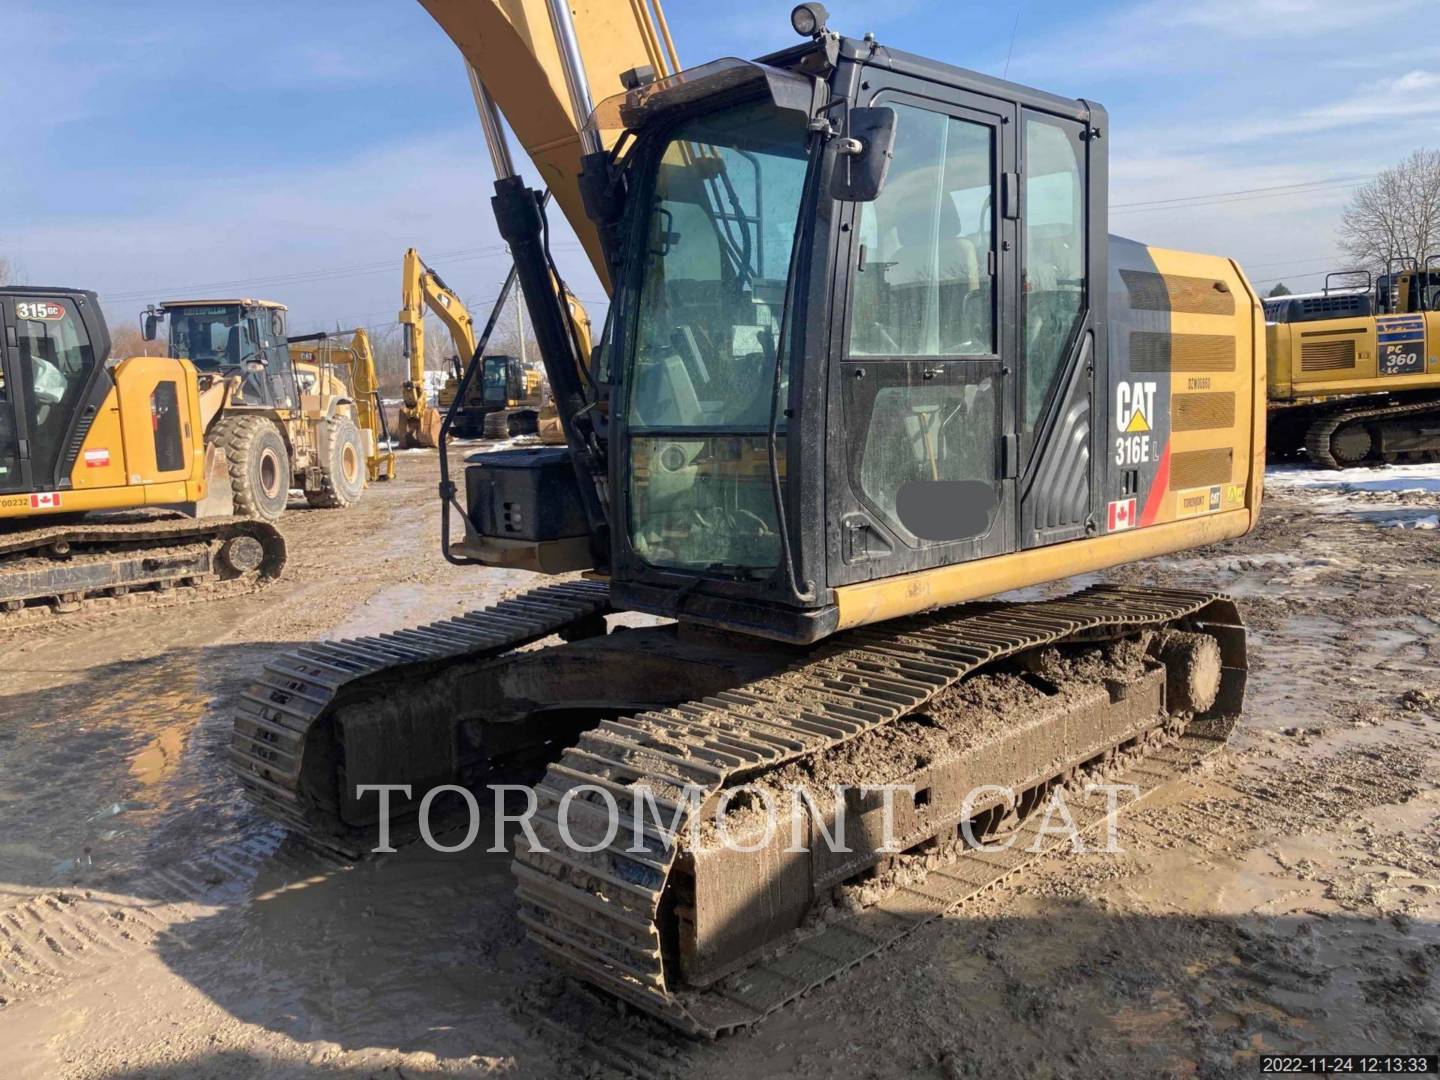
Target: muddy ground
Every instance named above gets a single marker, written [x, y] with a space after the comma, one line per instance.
[1287, 898]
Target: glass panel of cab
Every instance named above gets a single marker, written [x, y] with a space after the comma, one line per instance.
[719, 232]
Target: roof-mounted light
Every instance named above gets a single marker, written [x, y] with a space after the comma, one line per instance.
[809, 19]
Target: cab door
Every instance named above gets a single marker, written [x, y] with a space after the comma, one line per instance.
[15, 469]
[926, 395]
[51, 371]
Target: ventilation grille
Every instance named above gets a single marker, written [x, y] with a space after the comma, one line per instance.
[1339, 305]
[1177, 292]
[1201, 468]
[1154, 352]
[1327, 355]
[1202, 412]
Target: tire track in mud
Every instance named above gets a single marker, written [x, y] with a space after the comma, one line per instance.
[50, 938]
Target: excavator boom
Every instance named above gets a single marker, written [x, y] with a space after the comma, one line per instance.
[512, 46]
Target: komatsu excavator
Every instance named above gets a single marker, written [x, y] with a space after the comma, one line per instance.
[871, 360]
[1355, 369]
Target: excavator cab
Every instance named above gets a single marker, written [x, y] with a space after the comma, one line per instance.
[504, 381]
[52, 382]
[858, 325]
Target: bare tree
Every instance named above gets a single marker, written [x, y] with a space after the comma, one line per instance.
[125, 340]
[1396, 216]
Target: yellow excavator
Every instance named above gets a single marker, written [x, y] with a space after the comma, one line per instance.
[502, 400]
[1355, 369]
[111, 482]
[871, 360]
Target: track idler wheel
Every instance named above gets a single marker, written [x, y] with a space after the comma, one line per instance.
[242, 555]
[1352, 444]
[1192, 670]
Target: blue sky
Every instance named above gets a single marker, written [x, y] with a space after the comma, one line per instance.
[294, 150]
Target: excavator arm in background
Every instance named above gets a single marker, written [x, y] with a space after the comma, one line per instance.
[422, 288]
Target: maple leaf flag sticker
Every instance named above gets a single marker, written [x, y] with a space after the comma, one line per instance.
[1122, 515]
[45, 500]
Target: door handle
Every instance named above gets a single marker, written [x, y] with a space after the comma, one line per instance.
[930, 372]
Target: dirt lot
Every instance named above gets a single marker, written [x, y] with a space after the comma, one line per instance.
[1287, 898]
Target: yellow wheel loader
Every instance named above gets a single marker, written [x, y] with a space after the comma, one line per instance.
[1354, 370]
[871, 360]
[105, 469]
[279, 427]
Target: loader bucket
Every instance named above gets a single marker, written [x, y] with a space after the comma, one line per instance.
[219, 498]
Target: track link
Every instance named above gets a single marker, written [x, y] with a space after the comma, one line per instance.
[283, 713]
[91, 566]
[599, 914]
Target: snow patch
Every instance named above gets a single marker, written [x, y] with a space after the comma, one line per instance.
[1387, 478]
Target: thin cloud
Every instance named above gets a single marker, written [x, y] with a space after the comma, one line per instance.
[1414, 94]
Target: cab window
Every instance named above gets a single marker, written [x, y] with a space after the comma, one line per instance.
[925, 286]
[55, 362]
[1053, 291]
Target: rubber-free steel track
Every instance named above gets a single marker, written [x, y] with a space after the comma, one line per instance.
[598, 913]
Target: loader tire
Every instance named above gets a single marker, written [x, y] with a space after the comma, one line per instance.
[259, 465]
[342, 465]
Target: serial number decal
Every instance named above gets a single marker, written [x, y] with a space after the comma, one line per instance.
[1200, 383]
[39, 310]
[1401, 340]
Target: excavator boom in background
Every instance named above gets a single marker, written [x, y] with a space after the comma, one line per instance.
[505, 397]
[871, 359]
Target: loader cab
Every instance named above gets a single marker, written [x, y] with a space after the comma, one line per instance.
[52, 383]
[241, 338]
[826, 368]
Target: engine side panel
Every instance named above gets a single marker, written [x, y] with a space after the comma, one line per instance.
[1342, 357]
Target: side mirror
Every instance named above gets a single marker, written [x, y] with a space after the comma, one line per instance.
[864, 156]
[148, 332]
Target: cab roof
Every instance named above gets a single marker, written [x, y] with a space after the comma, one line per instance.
[243, 302]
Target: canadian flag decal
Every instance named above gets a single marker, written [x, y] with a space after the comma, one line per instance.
[1122, 515]
[45, 500]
